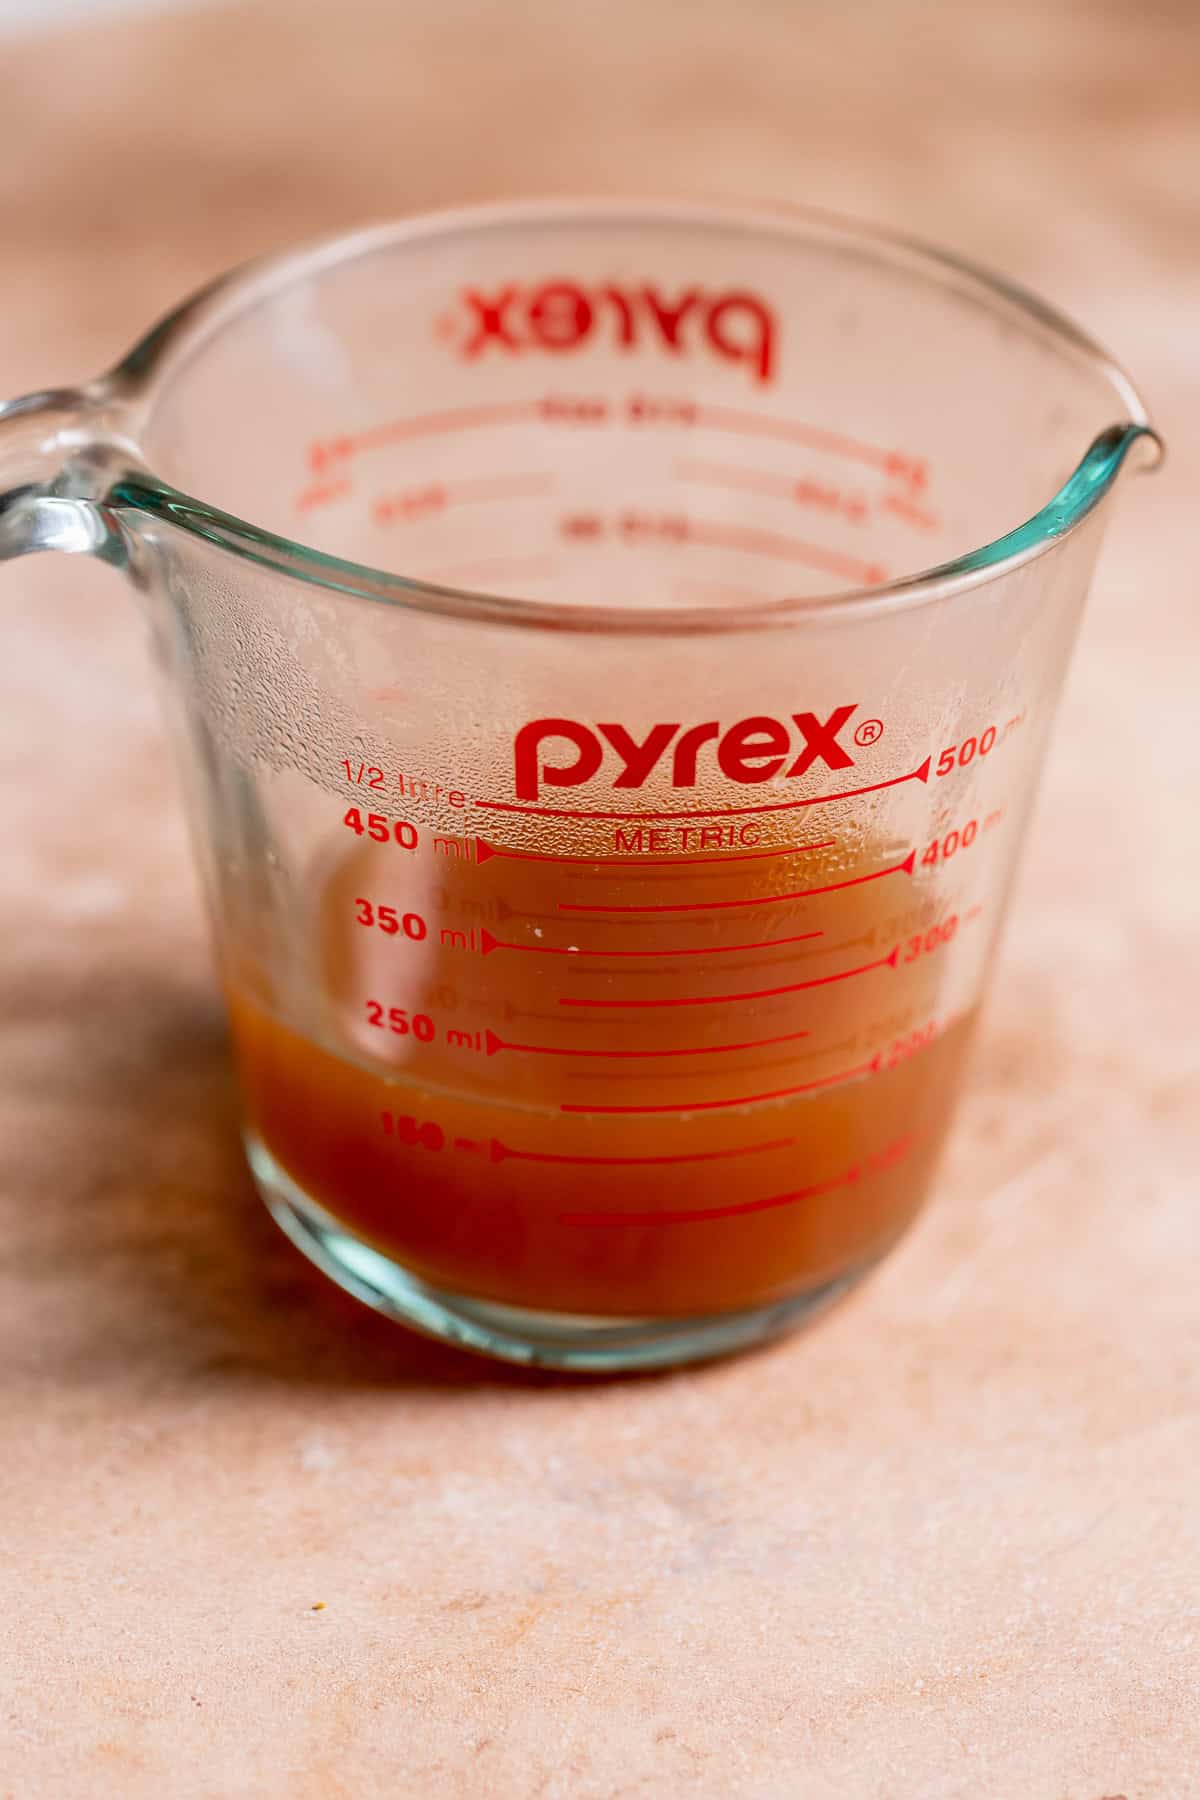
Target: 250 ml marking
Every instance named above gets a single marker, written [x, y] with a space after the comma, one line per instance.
[402, 1023]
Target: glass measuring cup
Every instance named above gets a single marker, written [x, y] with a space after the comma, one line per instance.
[603, 904]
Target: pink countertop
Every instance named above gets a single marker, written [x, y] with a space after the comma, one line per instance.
[946, 1546]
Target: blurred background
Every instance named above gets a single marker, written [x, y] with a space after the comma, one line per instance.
[147, 146]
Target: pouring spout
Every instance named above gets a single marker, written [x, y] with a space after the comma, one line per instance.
[1136, 436]
[1133, 441]
[1083, 490]
[54, 456]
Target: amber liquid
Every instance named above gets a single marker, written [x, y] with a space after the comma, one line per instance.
[486, 1104]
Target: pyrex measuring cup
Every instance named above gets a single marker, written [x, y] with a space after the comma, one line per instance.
[603, 898]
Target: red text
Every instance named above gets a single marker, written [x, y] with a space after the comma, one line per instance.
[560, 316]
[566, 753]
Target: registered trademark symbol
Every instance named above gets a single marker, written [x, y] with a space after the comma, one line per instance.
[869, 732]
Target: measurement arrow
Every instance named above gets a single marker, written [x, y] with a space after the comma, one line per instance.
[711, 812]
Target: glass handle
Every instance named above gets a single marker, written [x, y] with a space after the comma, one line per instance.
[53, 472]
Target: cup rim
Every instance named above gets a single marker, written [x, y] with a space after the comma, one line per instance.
[131, 388]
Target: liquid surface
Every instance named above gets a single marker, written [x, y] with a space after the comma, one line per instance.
[641, 1091]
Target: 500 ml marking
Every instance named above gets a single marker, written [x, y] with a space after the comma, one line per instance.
[755, 749]
[960, 756]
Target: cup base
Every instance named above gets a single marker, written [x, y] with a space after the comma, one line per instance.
[546, 1340]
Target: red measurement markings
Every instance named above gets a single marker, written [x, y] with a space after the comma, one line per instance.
[709, 812]
[463, 418]
[800, 491]
[889, 961]
[494, 568]
[490, 943]
[322, 493]
[713, 534]
[597, 1079]
[499, 1152]
[754, 968]
[485, 851]
[419, 502]
[495, 1044]
[791, 1061]
[786, 1093]
[898, 463]
[672, 906]
[912, 514]
[880, 1163]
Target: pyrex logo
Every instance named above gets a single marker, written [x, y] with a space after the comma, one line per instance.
[561, 753]
[560, 316]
